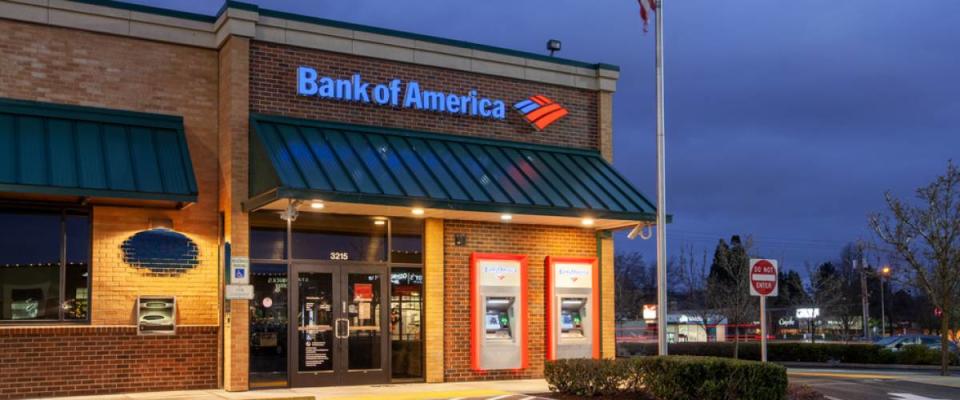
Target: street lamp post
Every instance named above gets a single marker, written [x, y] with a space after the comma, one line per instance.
[884, 273]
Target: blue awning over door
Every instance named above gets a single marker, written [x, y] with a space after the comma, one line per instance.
[303, 159]
[52, 149]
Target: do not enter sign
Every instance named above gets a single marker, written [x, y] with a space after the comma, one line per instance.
[763, 277]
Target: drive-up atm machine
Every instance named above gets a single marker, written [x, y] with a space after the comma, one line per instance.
[498, 311]
[573, 304]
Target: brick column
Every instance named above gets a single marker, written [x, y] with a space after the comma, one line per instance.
[608, 338]
[434, 300]
[234, 133]
[605, 124]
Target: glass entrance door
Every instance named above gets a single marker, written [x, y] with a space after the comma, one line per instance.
[339, 319]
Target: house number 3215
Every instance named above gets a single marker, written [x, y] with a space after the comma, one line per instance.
[339, 255]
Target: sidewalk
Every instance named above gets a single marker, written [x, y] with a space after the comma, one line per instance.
[500, 390]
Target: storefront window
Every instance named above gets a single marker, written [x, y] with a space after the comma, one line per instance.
[268, 325]
[406, 301]
[268, 236]
[320, 236]
[407, 241]
[44, 265]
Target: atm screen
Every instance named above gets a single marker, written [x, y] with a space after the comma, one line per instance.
[566, 320]
[493, 320]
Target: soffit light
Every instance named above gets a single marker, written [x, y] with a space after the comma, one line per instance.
[506, 217]
[587, 222]
[316, 205]
[417, 211]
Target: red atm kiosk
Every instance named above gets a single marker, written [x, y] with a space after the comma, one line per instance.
[573, 308]
[498, 311]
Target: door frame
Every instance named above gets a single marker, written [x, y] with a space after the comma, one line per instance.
[341, 374]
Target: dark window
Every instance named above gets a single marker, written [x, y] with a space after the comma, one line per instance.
[44, 265]
[268, 236]
[407, 244]
[406, 301]
[318, 236]
[268, 325]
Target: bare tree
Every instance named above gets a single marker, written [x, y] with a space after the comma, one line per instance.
[926, 236]
[631, 285]
[693, 277]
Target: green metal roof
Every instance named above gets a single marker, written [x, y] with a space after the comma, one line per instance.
[302, 159]
[92, 152]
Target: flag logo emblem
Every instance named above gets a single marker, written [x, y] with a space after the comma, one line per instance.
[540, 111]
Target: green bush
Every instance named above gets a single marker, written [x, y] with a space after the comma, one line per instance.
[669, 378]
[799, 352]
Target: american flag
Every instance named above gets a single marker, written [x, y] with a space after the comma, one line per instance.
[646, 8]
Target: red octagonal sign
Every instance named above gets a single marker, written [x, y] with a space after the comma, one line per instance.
[763, 277]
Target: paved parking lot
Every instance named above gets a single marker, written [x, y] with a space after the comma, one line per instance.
[878, 385]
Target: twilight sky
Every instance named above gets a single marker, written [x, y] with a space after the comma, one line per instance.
[786, 119]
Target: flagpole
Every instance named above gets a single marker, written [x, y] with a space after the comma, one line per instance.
[661, 195]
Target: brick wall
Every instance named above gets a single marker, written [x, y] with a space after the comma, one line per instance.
[534, 241]
[58, 65]
[273, 91]
[83, 360]
[83, 68]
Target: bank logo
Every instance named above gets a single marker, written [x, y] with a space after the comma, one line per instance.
[540, 111]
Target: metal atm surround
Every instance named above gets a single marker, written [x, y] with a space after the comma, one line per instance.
[557, 345]
[498, 352]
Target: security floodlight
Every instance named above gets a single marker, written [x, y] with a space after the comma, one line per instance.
[553, 45]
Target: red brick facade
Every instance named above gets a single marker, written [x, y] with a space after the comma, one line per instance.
[273, 91]
[85, 360]
[69, 66]
[536, 242]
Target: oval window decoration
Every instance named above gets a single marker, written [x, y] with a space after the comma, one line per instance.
[161, 250]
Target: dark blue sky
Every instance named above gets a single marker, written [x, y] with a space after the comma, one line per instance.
[786, 119]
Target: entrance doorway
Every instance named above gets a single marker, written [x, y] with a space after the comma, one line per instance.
[339, 318]
[337, 300]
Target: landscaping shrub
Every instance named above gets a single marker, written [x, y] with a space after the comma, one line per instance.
[669, 378]
[800, 352]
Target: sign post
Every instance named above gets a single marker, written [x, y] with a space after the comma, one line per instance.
[763, 283]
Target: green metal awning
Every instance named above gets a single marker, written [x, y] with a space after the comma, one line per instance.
[303, 159]
[61, 150]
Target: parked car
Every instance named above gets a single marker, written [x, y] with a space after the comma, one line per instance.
[895, 343]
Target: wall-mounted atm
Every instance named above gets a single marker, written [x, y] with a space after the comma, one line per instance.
[573, 305]
[498, 311]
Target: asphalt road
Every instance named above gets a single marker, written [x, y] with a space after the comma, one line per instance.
[878, 385]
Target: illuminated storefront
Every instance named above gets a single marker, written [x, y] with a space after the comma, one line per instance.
[260, 199]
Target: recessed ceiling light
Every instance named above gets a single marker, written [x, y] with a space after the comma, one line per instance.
[317, 205]
[417, 211]
[506, 217]
[379, 222]
[587, 221]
